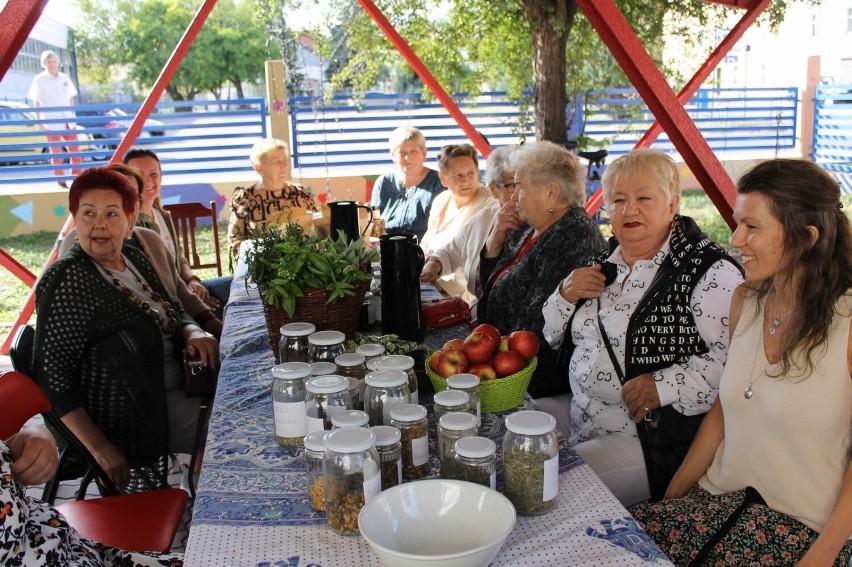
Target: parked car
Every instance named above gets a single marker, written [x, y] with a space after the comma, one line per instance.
[384, 100]
[26, 134]
[104, 120]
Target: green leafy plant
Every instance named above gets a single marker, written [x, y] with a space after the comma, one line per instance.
[285, 262]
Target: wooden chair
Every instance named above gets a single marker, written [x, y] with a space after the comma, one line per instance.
[185, 216]
[146, 521]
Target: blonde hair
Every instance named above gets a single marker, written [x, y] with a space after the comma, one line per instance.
[263, 147]
[405, 134]
[637, 162]
[545, 162]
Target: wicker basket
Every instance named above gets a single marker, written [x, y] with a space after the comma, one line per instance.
[342, 315]
[495, 395]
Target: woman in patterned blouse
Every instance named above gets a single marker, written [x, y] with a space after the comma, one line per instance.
[253, 206]
[648, 327]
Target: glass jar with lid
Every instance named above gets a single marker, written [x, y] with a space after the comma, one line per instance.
[399, 362]
[288, 402]
[531, 462]
[385, 390]
[448, 401]
[351, 472]
[389, 448]
[323, 368]
[468, 383]
[293, 344]
[352, 365]
[476, 461]
[370, 351]
[314, 453]
[326, 396]
[349, 418]
[325, 345]
[451, 428]
[413, 426]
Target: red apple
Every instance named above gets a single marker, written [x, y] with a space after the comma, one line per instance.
[478, 347]
[524, 343]
[508, 363]
[452, 361]
[457, 344]
[489, 330]
[433, 360]
[485, 371]
[504, 344]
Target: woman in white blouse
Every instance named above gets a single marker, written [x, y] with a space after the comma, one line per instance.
[648, 327]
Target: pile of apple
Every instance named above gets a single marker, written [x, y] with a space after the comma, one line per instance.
[486, 353]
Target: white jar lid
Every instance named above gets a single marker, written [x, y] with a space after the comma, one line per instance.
[323, 368]
[291, 370]
[298, 329]
[531, 423]
[457, 420]
[350, 418]
[386, 435]
[408, 412]
[315, 441]
[386, 378]
[325, 338]
[351, 440]
[329, 384]
[370, 349]
[451, 398]
[462, 381]
[394, 362]
[349, 359]
[475, 447]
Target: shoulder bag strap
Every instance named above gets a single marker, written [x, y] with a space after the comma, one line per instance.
[608, 346]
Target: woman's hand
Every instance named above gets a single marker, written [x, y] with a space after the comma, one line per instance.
[34, 451]
[114, 464]
[197, 342]
[641, 397]
[583, 283]
[431, 271]
[195, 287]
[507, 221]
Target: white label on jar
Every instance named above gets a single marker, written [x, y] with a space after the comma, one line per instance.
[372, 485]
[313, 424]
[551, 478]
[493, 480]
[419, 450]
[289, 419]
[479, 416]
[415, 398]
[399, 471]
[389, 404]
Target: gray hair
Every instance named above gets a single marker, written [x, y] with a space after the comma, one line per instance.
[545, 162]
[263, 147]
[498, 163]
[405, 134]
[46, 54]
[638, 162]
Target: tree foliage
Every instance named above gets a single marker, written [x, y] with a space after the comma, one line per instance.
[547, 47]
[141, 34]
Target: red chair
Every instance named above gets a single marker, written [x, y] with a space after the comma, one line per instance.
[146, 521]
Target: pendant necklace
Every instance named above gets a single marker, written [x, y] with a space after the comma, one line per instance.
[776, 323]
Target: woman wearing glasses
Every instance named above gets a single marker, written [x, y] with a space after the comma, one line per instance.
[454, 265]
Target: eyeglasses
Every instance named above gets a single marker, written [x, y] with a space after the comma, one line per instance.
[509, 186]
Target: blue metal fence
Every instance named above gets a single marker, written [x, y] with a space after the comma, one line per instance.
[832, 143]
[188, 136]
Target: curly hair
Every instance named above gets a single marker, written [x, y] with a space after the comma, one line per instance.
[545, 162]
[803, 195]
[451, 151]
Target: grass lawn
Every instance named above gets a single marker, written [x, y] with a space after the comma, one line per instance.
[32, 251]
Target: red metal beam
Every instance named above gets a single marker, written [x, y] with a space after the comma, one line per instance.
[16, 22]
[621, 40]
[427, 77]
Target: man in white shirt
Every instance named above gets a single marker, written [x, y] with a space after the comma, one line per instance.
[52, 88]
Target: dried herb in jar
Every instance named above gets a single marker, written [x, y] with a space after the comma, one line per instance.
[317, 495]
[523, 476]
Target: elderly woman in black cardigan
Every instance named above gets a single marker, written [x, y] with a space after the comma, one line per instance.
[541, 235]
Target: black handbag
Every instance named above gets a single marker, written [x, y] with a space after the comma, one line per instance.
[665, 434]
[199, 379]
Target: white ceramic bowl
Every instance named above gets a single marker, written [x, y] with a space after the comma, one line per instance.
[437, 522]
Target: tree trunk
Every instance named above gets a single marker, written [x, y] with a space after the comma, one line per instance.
[238, 84]
[550, 22]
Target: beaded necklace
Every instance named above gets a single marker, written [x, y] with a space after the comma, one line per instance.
[168, 323]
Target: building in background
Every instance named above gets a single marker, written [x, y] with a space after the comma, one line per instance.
[47, 34]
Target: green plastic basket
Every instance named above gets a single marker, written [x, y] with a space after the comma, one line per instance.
[495, 395]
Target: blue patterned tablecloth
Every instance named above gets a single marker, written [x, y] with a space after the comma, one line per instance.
[251, 506]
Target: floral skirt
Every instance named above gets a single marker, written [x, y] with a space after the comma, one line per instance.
[761, 536]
